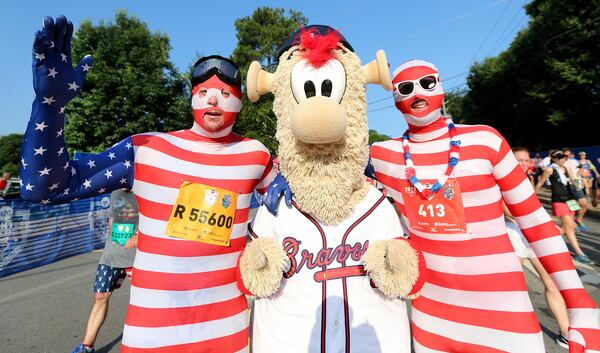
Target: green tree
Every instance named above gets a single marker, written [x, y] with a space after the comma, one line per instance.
[10, 153]
[259, 35]
[544, 90]
[132, 88]
[374, 136]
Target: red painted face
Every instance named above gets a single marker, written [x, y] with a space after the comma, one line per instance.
[216, 104]
[417, 91]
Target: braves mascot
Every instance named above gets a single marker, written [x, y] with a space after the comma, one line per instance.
[331, 271]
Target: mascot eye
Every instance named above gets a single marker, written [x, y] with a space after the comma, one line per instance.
[326, 87]
[329, 80]
[309, 89]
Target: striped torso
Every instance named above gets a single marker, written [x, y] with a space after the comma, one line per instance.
[184, 296]
[475, 298]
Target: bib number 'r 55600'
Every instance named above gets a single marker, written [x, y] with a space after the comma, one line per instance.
[203, 216]
[203, 213]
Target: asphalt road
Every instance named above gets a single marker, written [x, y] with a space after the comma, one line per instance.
[45, 310]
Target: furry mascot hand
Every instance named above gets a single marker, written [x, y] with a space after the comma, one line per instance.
[394, 266]
[262, 266]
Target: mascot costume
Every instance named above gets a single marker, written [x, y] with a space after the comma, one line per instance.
[328, 273]
[193, 188]
[449, 182]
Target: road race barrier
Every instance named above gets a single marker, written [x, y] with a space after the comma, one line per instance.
[33, 235]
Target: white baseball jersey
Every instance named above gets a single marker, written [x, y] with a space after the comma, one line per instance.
[326, 303]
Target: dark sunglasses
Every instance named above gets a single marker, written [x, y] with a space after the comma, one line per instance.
[426, 82]
[225, 69]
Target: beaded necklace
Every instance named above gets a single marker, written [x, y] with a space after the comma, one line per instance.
[453, 153]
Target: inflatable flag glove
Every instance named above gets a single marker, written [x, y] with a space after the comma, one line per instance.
[370, 170]
[55, 81]
[277, 187]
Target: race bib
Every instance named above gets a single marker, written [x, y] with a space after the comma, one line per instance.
[443, 213]
[203, 213]
[121, 232]
[573, 205]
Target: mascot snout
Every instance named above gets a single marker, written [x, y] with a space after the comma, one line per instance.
[319, 120]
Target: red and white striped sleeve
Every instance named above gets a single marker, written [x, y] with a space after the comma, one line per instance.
[267, 177]
[548, 245]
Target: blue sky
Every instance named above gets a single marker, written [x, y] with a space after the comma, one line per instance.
[451, 34]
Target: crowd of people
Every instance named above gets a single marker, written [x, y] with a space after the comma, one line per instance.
[574, 185]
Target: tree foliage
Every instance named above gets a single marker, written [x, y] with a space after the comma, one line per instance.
[544, 90]
[10, 153]
[259, 35]
[374, 136]
[132, 88]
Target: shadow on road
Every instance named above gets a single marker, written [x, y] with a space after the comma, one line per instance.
[36, 273]
[109, 346]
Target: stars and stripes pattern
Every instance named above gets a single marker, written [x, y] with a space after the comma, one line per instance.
[475, 298]
[184, 297]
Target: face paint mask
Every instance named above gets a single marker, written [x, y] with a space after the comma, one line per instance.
[216, 105]
[418, 92]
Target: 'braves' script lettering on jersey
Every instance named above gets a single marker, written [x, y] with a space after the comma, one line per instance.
[323, 257]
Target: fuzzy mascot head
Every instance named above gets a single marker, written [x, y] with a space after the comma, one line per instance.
[418, 92]
[216, 95]
[320, 104]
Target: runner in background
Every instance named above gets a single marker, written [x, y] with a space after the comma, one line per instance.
[116, 261]
[563, 200]
[572, 166]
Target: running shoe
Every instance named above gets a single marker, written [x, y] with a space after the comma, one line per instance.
[583, 258]
[83, 349]
[562, 341]
[582, 227]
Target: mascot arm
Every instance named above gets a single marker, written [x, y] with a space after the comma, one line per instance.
[261, 264]
[548, 245]
[47, 173]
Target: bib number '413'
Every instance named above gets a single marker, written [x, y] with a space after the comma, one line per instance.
[443, 213]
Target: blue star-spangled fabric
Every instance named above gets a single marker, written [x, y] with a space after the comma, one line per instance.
[47, 173]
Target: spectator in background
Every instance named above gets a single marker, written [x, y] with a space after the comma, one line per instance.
[522, 156]
[596, 187]
[563, 200]
[572, 166]
[4, 181]
[116, 261]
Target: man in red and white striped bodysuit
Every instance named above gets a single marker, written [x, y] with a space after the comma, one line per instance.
[475, 298]
[184, 296]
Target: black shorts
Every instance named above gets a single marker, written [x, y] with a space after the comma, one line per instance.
[579, 194]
